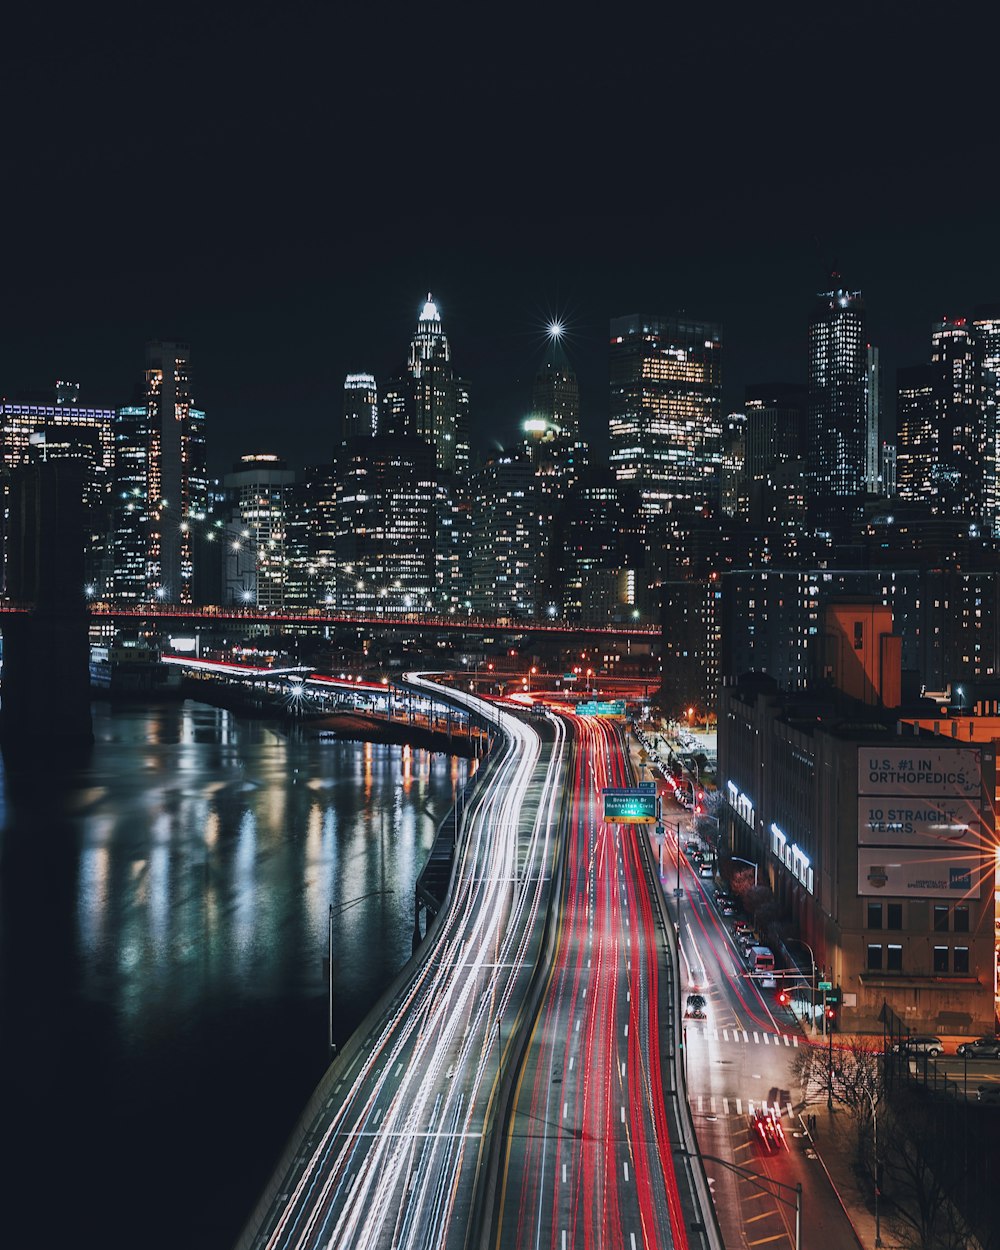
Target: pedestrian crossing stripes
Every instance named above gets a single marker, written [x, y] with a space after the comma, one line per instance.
[744, 1037]
[716, 1104]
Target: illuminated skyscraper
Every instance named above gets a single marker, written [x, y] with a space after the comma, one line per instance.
[161, 482]
[555, 396]
[360, 406]
[665, 410]
[429, 401]
[986, 350]
[842, 404]
[941, 437]
[254, 565]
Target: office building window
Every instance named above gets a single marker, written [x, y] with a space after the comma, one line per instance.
[894, 958]
[894, 916]
[961, 959]
[874, 958]
[940, 959]
[961, 919]
[940, 918]
[875, 917]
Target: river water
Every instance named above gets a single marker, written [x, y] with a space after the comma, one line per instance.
[163, 926]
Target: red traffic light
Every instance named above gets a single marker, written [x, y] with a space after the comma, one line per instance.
[783, 998]
[830, 1013]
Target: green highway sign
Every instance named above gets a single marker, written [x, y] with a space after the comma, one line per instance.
[825, 985]
[630, 807]
[594, 708]
[833, 998]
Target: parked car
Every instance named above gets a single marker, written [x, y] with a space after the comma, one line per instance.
[989, 1094]
[981, 1048]
[921, 1044]
[694, 1007]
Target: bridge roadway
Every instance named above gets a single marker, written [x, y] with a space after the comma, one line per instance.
[403, 1142]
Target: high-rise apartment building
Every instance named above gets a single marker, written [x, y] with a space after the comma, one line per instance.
[429, 401]
[842, 408]
[360, 406]
[161, 482]
[986, 351]
[255, 559]
[666, 410]
[940, 428]
[384, 548]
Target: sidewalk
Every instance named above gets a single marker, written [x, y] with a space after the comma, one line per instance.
[833, 1145]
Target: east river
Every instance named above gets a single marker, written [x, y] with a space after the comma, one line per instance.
[163, 927]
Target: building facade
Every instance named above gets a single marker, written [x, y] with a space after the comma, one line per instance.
[666, 410]
[877, 839]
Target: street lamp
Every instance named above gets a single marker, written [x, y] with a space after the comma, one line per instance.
[749, 863]
[878, 1227]
[351, 902]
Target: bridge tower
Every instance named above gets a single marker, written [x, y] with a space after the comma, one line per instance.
[46, 658]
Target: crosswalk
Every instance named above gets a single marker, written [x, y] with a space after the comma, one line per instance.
[746, 1037]
[712, 1104]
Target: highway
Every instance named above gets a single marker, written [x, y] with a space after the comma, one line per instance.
[588, 1161]
[391, 1156]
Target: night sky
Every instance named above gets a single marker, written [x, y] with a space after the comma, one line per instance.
[280, 185]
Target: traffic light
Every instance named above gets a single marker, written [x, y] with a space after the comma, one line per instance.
[831, 1012]
[782, 998]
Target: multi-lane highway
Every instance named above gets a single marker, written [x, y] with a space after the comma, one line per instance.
[390, 1155]
[589, 1158]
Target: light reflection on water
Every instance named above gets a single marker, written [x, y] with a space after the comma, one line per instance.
[163, 924]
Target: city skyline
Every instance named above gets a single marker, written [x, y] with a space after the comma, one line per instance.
[241, 391]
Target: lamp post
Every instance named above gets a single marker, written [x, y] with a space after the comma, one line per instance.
[351, 902]
[878, 1227]
[749, 863]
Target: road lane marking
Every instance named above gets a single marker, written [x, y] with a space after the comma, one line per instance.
[756, 1039]
[631, 1238]
[564, 1173]
[565, 1109]
[625, 1165]
[739, 1106]
[399, 1069]
[767, 1039]
[623, 1067]
[725, 1035]
[623, 1115]
[745, 1038]
[377, 1116]
[572, 1060]
[578, 1026]
[626, 1030]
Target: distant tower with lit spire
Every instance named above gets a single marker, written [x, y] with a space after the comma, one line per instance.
[555, 396]
[429, 401]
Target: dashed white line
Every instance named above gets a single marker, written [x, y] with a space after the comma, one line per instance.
[377, 1116]
[623, 1115]
[399, 1069]
[564, 1173]
[572, 1060]
[625, 1165]
[565, 1109]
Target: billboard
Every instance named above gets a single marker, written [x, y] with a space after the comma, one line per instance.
[918, 771]
[890, 821]
[913, 873]
[919, 822]
[631, 807]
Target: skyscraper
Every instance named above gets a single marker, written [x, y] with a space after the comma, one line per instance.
[429, 401]
[555, 395]
[941, 437]
[840, 407]
[986, 350]
[360, 406]
[665, 410]
[161, 481]
[254, 568]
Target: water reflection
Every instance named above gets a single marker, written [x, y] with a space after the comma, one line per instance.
[163, 922]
